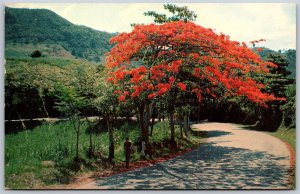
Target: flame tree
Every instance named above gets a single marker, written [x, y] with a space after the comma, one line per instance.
[157, 60]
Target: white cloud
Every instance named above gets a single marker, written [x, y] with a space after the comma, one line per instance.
[243, 22]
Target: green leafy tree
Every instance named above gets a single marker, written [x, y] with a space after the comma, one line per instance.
[107, 104]
[70, 103]
[289, 108]
[178, 13]
[85, 78]
[276, 82]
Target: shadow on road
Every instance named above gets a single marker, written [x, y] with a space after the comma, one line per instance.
[207, 167]
[206, 134]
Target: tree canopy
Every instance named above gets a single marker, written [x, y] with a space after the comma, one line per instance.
[152, 59]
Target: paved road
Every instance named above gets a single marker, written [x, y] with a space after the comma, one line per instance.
[232, 158]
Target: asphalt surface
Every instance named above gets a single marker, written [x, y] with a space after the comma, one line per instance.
[232, 158]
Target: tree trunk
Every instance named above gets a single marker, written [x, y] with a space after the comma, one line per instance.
[111, 148]
[91, 149]
[172, 127]
[150, 114]
[77, 145]
[23, 124]
[186, 124]
[181, 130]
[144, 127]
[44, 106]
[159, 117]
[77, 129]
[152, 123]
[283, 124]
[198, 114]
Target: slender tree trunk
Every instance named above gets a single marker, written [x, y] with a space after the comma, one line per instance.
[185, 124]
[44, 105]
[172, 127]
[147, 116]
[111, 148]
[152, 123]
[198, 114]
[159, 117]
[138, 115]
[181, 128]
[77, 145]
[23, 124]
[91, 149]
[150, 115]
[283, 124]
[77, 129]
[127, 118]
[144, 127]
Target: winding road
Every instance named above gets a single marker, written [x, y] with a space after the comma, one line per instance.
[232, 157]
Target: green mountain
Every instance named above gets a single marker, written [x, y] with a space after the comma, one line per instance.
[27, 30]
[289, 55]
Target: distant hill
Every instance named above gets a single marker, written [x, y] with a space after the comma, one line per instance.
[27, 30]
[22, 50]
[289, 55]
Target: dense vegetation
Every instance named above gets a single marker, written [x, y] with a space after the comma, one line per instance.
[30, 165]
[53, 70]
[40, 26]
[289, 55]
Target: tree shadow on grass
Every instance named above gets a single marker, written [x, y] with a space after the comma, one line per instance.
[207, 167]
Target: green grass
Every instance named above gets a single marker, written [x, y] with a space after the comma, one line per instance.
[25, 151]
[287, 135]
[21, 50]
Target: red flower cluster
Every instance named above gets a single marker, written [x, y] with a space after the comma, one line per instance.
[197, 54]
[182, 86]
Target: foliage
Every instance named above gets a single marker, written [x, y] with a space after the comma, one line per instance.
[276, 82]
[24, 153]
[289, 55]
[278, 79]
[172, 53]
[289, 117]
[44, 26]
[34, 79]
[37, 78]
[36, 54]
[179, 13]
[291, 58]
[173, 68]
[69, 102]
[17, 51]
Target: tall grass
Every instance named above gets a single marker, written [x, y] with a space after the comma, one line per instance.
[25, 151]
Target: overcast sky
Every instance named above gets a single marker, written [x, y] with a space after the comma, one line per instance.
[243, 22]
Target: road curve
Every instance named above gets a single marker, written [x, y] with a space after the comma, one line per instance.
[232, 158]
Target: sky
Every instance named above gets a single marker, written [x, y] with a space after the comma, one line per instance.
[243, 22]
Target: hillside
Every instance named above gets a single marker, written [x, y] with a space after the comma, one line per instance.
[38, 28]
[22, 50]
[289, 55]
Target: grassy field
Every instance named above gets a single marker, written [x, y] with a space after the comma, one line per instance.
[26, 152]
